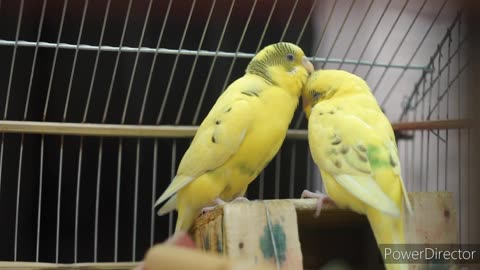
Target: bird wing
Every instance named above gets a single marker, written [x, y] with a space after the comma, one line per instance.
[350, 150]
[217, 139]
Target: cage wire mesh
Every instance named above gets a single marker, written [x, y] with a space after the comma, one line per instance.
[143, 74]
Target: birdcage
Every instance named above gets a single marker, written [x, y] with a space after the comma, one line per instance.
[100, 99]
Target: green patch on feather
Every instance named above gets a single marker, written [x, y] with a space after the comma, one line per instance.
[375, 157]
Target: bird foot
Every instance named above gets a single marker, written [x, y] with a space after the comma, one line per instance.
[216, 202]
[219, 201]
[321, 198]
[239, 199]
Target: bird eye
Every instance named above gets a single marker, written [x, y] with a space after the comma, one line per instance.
[290, 57]
[316, 95]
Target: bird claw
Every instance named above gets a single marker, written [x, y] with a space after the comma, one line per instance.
[216, 202]
[239, 199]
[219, 201]
[321, 198]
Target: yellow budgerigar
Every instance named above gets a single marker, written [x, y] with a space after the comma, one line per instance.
[353, 144]
[240, 135]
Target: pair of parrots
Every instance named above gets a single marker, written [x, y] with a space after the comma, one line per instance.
[350, 138]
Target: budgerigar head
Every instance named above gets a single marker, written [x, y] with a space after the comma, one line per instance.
[282, 64]
[329, 84]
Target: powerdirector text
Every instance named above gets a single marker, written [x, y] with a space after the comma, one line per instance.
[431, 254]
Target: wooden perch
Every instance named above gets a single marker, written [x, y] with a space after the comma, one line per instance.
[241, 230]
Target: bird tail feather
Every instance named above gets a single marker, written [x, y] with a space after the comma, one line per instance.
[388, 230]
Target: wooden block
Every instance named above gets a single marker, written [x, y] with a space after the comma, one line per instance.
[434, 220]
[237, 229]
[243, 230]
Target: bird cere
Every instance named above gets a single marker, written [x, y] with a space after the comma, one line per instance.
[239, 137]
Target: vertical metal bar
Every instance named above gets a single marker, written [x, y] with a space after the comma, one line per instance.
[95, 65]
[372, 34]
[422, 139]
[386, 38]
[172, 175]
[50, 82]
[154, 191]
[77, 200]
[177, 56]
[135, 63]
[261, 185]
[12, 67]
[291, 186]
[317, 50]
[40, 192]
[277, 174]
[194, 65]
[400, 44]
[309, 172]
[117, 199]
[57, 235]
[288, 21]
[202, 95]
[459, 142]
[137, 153]
[229, 73]
[117, 60]
[338, 33]
[59, 197]
[307, 19]
[387, 96]
[25, 114]
[97, 199]
[438, 118]
[74, 64]
[267, 24]
[428, 137]
[152, 66]
[447, 113]
[356, 33]
[10, 79]
[135, 200]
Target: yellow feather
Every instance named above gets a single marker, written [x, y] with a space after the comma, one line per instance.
[241, 133]
[352, 142]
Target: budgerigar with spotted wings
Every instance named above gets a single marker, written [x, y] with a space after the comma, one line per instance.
[240, 135]
[353, 144]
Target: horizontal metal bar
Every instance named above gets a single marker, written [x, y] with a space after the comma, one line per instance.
[111, 130]
[433, 125]
[85, 47]
[170, 131]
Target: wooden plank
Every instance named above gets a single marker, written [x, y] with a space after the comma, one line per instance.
[242, 230]
[434, 220]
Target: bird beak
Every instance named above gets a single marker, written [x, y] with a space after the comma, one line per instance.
[306, 107]
[308, 65]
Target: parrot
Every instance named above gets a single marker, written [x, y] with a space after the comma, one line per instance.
[240, 135]
[353, 144]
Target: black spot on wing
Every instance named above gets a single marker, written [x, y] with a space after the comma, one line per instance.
[213, 139]
[217, 122]
[338, 164]
[336, 140]
[392, 161]
[250, 93]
